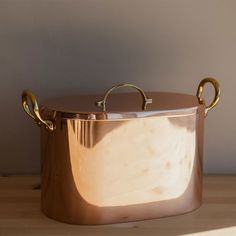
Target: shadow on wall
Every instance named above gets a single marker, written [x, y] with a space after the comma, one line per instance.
[61, 62]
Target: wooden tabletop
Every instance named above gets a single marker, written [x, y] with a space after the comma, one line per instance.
[20, 213]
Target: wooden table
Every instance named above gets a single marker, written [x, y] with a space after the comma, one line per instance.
[20, 213]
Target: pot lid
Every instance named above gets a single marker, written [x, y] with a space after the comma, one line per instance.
[121, 102]
[113, 105]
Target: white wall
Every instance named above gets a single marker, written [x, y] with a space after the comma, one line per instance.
[63, 46]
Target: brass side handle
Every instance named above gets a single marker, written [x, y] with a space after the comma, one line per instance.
[216, 99]
[34, 114]
[102, 103]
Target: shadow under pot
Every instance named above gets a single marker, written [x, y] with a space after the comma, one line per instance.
[123, 156]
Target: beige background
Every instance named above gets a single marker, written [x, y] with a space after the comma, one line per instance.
[84, 46]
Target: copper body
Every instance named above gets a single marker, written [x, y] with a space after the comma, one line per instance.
[119, 170]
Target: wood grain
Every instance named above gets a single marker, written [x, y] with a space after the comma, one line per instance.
[20, 213]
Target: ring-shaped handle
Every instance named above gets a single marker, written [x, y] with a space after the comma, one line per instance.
[102, 103]
[34, 114]
[216, 99]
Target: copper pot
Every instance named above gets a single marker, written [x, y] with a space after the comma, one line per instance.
[120, 161]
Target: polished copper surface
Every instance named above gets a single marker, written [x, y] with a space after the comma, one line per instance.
[97, 172]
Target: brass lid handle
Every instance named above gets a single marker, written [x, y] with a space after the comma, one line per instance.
[102, 103]
[34, 114]
[216, 99]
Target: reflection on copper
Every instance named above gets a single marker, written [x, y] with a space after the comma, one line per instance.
[139, 161]
[119, 171]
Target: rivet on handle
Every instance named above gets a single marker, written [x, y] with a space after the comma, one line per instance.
[102, 103]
